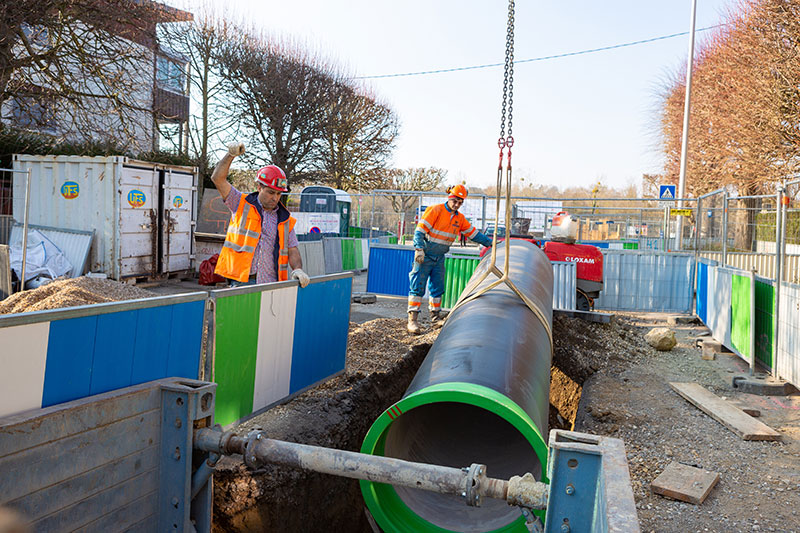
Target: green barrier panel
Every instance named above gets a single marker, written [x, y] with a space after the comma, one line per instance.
[235, 367]
[348, 255]
[392, 240]
[355, 232]
[630, 246]
[458, 271]
[740, 314]
[765, 333]
[358, 254]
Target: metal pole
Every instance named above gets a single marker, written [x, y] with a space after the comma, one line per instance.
[483, 213]
[752, 320]
[725, 228]
[25, 228]
[779, 238]
[666, 227]
[698, 224]
[687, 104]
[471, 483]
[372, 215]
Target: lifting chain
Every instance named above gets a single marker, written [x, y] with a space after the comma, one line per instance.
[508, 89]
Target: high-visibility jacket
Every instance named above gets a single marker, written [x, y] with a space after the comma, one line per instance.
[244, 231]
[440, 226]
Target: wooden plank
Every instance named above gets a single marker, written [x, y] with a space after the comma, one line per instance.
[99, 505]
[33, 428]
[50, 499]
[685, 483]
[128, 518]
[723, 412]
[39, 467]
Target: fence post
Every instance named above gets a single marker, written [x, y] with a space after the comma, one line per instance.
[698, 226]
[725, 228]
[665, 228]
[779, 237]
[752, 320]
[483, 214]
[372, 215]
[25, 228]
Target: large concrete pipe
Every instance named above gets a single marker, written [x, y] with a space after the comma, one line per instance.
[481, 395]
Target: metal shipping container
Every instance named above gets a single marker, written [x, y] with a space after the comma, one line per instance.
[143, 213]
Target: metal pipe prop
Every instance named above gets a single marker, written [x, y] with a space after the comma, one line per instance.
[482, 394]
[470, 484]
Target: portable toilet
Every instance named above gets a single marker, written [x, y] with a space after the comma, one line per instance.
[320, 199]
[142, 213]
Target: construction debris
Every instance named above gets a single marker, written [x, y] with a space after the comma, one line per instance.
[684, 483]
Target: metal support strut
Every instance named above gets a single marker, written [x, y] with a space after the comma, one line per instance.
[470, 483]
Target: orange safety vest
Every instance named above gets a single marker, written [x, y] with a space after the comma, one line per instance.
[244, 231]
[442, 225]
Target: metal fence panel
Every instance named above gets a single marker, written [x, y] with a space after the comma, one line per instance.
[564, 284]
[391, 264]
[719, 304]
[788, 363]
[313, 257]
[646, 281]
[332, 248]
[77, 352]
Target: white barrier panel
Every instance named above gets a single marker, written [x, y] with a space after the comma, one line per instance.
[788, 364]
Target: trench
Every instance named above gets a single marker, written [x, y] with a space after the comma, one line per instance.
[285, 499]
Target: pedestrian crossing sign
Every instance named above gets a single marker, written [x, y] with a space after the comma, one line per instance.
[666, 192]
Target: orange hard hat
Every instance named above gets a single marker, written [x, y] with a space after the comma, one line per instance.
[272, 177]
[457, 191]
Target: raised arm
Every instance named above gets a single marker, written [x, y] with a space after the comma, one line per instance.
[220, 174]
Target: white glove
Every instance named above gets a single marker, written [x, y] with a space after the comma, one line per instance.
[301, 276]
[419, 256]
[236, 149]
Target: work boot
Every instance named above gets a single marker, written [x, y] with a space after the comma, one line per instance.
[413, 324]
[437, 320]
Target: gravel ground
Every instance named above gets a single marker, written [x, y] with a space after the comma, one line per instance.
[630, 398]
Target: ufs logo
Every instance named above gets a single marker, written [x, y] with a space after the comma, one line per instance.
[136, 198]
[177, 201]
[70, 190]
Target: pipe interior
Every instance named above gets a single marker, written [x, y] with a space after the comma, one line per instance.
[457, 435]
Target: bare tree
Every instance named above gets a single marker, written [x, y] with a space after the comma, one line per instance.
[212, 111]
[81, 69]
[357, 139]
[280, 92]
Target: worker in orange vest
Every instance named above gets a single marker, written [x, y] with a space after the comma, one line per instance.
[260, 240]
[436, 231]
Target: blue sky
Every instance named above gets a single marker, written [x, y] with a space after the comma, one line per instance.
[575, 119]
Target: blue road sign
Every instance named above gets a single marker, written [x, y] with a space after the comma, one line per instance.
[666, 192]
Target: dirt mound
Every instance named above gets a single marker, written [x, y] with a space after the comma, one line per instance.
[71, 292]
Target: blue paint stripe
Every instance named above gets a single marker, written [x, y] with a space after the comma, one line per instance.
[324, 309]
[113, 351]
[185, 340]
[70, 351]
[702, 291]
[152, 338]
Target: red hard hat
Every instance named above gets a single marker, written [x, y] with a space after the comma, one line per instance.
[272, 177]
[458, 191]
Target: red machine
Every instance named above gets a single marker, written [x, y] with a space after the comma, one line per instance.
[589, 272]
[588, 258]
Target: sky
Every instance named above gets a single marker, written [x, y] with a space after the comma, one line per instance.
[576, 120]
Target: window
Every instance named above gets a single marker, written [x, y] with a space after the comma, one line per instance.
[35, 113]
[170, 75]
[37, 35]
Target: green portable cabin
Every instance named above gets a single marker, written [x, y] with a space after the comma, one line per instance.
[319, 199]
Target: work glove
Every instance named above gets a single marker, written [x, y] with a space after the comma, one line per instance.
[301, 276]
[236, 149]
[419, 256]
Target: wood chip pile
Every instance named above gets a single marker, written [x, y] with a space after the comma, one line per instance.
[71, 292]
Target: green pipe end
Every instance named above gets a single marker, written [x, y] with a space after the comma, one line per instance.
[388, 509]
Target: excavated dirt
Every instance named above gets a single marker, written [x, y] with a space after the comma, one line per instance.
[71, 293]
[381, 362]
